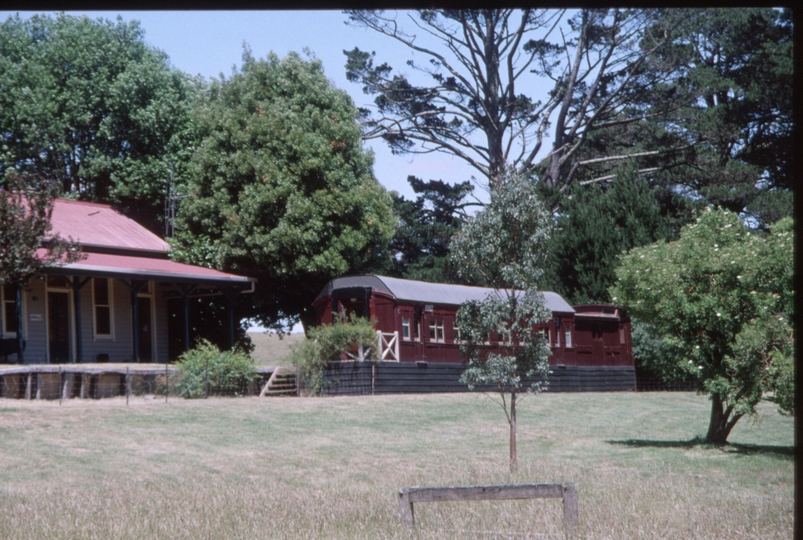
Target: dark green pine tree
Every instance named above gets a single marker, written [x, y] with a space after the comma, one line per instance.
[420, 247]
[595, 225]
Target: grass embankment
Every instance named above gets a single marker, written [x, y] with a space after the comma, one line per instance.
[331, 467]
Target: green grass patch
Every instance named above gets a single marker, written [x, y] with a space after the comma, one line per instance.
[332, 467]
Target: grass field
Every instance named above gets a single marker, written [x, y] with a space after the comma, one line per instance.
[272, 351]
[331, 467]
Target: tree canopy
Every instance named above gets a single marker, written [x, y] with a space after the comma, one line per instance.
[595, 225]
[280, 187]
[727, 139]
[419, 248]
[721, 297]
[505, 244]
[89, 104]
[469, 100]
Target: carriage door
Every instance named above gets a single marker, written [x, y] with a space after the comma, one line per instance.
[597, 345]
[58, 326]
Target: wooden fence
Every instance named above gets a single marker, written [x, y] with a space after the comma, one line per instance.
[411, 495]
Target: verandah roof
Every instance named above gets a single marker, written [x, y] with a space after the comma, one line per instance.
[145, 268]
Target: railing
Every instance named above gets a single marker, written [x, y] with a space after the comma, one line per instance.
[388, 346]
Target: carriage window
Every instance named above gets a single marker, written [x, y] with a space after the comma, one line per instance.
[457, 337]
[568, 337]
[417, 331]
[545, 335]
[622, 335]
[557, 337]
[406, 329]
[436, 331]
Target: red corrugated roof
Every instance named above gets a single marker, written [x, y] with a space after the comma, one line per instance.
[102, 264]
[93, 224]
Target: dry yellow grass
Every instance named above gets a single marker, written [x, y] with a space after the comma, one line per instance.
[271, 350]
[331, 467]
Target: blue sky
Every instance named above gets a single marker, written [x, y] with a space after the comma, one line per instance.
[211, 42]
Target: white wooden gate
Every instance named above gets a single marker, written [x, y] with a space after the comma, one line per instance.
[388, 346]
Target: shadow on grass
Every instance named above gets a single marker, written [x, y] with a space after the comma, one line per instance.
[731, 448]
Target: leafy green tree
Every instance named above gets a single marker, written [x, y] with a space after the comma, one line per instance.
[89, 104]
[26, 245]
[281, 188]
[721, 297]
[594, 226]
[467, 99]
[420, 247]
[506, 245]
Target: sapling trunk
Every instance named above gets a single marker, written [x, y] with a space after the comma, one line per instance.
[514, 461]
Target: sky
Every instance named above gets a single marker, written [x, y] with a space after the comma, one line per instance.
[210, 43]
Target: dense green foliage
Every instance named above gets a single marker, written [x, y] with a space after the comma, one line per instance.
[325, 343]
[506, 245]
[91, 105]
[721, 297]
[595, 225]
[225, 373]
[718, 127]
[281, 188]
[420, 247]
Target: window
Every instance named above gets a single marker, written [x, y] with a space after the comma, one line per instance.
[417, 331]
[622, 335]
[406, 329]
[9, 311]
[457, 337]
[545, 335]
[557, 337]
[436, 331]
[103, 311]
[568, 337]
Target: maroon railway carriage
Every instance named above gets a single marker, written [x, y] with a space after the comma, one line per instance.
[415, 323]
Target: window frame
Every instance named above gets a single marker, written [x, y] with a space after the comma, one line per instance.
[109, 306]
[405, 324]
[6, 333]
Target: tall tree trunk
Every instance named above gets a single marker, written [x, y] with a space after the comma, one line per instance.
[514, 460]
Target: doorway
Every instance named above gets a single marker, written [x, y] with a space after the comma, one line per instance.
[58, 327]
[145, 330]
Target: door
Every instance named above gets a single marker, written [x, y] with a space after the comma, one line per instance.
[597, 345]
[58, 327]
[145, 336]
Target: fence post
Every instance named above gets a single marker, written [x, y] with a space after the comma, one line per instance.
[406, 514]
[569, 508]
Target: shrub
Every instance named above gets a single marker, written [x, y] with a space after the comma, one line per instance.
[229, 372]
[325, 344]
